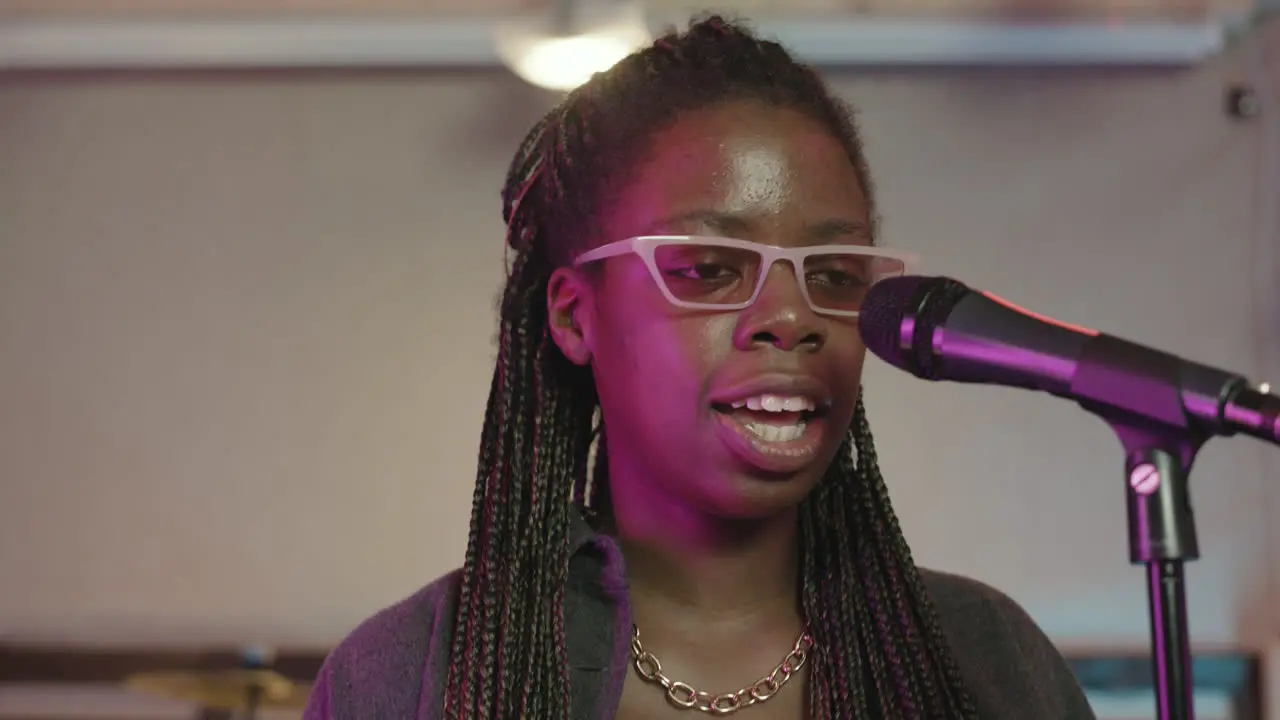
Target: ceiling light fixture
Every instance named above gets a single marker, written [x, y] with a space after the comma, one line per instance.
[577, 41]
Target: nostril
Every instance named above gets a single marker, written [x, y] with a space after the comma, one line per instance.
[781, 328]
[786, 341]
[766, 338]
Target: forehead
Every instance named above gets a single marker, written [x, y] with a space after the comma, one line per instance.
[774, 168]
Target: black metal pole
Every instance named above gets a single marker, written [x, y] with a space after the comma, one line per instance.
[1171, 649]
[1162, 536]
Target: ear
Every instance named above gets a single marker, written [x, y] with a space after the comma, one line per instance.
[570, 316]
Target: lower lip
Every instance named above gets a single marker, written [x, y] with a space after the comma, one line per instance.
[773, 457]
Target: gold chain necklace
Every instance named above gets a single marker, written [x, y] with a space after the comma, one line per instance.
[685, 696]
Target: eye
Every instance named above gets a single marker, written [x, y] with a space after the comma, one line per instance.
[709, 271]
[835, 278]
[702, 263]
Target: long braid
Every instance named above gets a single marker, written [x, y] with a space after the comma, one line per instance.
[880, 651]
[509, 657]
[914, 605]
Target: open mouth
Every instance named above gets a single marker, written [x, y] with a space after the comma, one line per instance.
[773, 418]
[777, 434]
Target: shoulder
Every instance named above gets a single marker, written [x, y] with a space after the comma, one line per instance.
[964, 600]
[382, 668]
[1006, 659]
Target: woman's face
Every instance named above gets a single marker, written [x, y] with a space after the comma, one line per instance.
[669, 377]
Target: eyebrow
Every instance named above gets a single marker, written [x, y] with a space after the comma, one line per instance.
[734, 224]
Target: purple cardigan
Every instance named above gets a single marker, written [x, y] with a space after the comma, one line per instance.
[393, 666]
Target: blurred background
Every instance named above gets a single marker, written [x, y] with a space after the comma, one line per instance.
[249, 256]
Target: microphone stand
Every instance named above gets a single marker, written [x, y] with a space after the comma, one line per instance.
[1162, 536]
[1138, 392]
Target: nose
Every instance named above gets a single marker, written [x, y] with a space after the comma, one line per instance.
[780, 317]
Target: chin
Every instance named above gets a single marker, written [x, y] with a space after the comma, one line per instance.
[757, 497]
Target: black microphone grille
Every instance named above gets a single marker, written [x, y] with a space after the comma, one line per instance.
[928, 299]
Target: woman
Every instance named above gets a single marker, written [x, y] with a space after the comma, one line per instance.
[733, 547]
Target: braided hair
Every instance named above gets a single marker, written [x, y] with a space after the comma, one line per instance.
[880, 650]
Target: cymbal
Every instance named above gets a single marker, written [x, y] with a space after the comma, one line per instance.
[227, 690]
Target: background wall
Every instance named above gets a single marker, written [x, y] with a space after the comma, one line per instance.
[246, 329]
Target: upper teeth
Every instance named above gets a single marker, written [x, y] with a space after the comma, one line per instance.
[777, 403]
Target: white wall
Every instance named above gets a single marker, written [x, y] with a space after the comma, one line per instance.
[246, 323]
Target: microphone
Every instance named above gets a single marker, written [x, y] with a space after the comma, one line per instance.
[936, 328]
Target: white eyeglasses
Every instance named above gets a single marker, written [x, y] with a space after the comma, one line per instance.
[712, 273]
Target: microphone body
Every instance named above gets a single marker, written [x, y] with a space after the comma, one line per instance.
[938, 329]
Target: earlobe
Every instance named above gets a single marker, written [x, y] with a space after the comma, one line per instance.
[568, 318]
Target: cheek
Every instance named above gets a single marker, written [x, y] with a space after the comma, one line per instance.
[657, 355]
[656, 346]
[854, 352]
[852, 355]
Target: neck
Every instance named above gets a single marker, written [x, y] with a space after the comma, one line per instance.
[709, 569]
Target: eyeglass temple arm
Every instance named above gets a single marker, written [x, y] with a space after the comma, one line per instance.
[605, 251]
